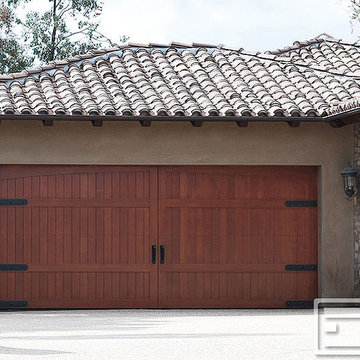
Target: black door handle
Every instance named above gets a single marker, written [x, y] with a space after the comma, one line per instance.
[162, 254]
[153, 254]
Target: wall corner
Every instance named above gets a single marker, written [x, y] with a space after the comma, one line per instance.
[356, 214]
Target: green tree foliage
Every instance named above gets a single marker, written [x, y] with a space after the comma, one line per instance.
[12, 57]
[355, 9]
[66, 28]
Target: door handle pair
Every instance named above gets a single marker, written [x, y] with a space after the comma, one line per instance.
[162, 254]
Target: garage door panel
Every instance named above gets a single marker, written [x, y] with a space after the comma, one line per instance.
[85, 235]
[228, 183]
[88, 183]
[211, 239]
[74, 235]
[54, 287]
[228, 235]
[234, 289]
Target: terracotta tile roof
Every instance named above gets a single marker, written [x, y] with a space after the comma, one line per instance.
[190, 79]
[324, 53]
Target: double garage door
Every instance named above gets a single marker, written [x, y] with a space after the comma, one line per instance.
[158, 236]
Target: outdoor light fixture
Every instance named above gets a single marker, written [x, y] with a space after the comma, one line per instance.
[350, 176]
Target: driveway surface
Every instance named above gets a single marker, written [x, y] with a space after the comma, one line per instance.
[157, 334]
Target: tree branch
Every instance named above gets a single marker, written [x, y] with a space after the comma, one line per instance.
[104, 38]
[65, 10]
[72, 34]
[53, 34]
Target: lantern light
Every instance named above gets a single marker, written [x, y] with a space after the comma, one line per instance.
[350, 176]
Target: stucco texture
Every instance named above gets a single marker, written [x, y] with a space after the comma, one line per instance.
[357, 214]
[127, 143]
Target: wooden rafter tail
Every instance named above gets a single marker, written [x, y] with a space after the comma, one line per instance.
[196, 123]
[294, 123]
[145, 123]
[242, 124]
[48, 122]
[97, 122]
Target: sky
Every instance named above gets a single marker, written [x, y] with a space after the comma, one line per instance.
[250, 24]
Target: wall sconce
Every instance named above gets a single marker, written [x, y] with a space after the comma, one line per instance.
[350, 176]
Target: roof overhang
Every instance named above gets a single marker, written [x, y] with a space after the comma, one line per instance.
[197, 121]
[343, 118]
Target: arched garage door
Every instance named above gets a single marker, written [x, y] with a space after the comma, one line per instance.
[158, 237]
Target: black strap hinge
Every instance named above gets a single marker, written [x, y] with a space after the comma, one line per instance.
[301, 203]
[301, 267]
[13, 267]
[300, 304]
[13, 202]
[13, 304]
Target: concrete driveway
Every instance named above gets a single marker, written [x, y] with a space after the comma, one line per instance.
[157, 334]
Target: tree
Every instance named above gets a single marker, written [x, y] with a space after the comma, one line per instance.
[12, 57]
[355, 9]
[66, 28]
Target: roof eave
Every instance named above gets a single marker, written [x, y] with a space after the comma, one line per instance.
[344, 118]
[48, 119]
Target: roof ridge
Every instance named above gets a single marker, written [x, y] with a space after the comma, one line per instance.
[268, 55]
[296, 45]
[284, 60]
[324, 37]
[58, 64]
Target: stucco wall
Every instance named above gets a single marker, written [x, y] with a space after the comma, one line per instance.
[179, 143]
[356, 201]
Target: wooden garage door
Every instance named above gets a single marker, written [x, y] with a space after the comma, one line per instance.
[85, 236]
[228, 236]
[223, 235]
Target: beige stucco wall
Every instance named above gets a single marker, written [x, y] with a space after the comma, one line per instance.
[179, 143]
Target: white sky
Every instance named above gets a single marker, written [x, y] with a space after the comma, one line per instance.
[251, 24]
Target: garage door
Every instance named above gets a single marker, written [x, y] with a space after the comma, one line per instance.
[235, 236]
[85, 236]
[147, 236]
